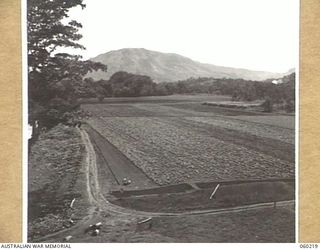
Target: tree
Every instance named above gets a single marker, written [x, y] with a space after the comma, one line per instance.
[128, 84]
[52, 75]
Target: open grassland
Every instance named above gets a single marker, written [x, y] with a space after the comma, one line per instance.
[173, 144]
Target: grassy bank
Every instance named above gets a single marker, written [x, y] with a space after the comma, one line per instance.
[55, 179]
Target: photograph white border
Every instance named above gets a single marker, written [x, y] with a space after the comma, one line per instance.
[142, 245]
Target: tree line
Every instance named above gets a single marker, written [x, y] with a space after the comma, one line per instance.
[280, 92]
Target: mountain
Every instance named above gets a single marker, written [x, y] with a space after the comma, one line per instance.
[168, 67]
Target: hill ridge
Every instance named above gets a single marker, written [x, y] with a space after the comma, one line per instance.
[167, 67]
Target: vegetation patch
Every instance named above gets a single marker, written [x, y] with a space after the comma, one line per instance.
[55, 179]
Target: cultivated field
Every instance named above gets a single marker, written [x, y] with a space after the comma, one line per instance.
[155, 142]
[180, 140]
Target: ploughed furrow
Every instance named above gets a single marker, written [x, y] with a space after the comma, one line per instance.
[260, 130]
[275, 148]
[170, 152]
[242, 125]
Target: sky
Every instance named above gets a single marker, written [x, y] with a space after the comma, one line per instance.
[252, 34]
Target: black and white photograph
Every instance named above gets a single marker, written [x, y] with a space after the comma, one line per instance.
[162, 121]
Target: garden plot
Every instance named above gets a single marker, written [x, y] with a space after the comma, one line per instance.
[168, 153]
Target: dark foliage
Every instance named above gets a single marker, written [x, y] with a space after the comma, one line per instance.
[124, 84]
[127, 84]
[54, 78]
[275, 91]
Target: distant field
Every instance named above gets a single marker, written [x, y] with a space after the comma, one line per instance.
[204, 109]
[256, 126]
[157, 99]
[183, 142]
[284, 120]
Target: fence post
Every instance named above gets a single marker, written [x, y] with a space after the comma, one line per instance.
[214, 191]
